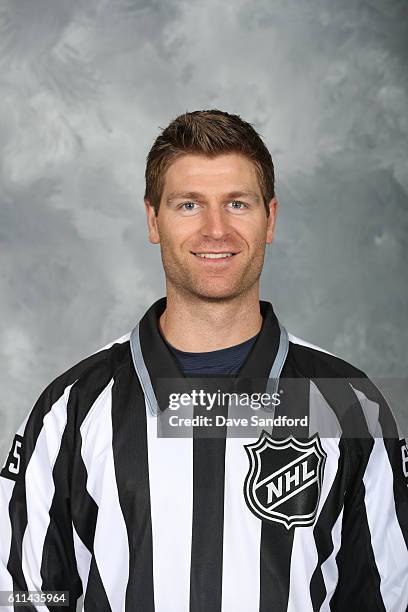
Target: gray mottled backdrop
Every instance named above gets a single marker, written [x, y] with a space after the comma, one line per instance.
[84, 87]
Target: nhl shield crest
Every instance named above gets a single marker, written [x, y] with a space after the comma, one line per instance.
[284, 480]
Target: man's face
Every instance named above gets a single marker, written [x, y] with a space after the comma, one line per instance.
[212, 206]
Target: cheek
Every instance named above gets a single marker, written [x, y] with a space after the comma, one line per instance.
[180, 234]
[174, 237]
[254, 233]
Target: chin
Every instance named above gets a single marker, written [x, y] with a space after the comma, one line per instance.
[213, 294]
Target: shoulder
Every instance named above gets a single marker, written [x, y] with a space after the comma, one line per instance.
[346, 385]
[311, 360]
[87, 378]
[100, 364]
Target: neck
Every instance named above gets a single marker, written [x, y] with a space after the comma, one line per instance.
[193, 324]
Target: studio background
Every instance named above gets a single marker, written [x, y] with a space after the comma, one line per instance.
[85, 86]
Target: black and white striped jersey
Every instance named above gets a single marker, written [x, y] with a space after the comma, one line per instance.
[94, 502]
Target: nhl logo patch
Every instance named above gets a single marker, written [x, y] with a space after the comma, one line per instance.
[284, 480]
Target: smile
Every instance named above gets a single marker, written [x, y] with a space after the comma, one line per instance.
[214, 255]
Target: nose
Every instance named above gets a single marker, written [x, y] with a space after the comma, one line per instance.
[215, 223]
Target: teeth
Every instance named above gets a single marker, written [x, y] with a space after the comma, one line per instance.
[213, 255]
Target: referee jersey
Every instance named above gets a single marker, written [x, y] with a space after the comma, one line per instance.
[92, 501]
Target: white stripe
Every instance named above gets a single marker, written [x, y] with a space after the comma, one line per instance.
[387, 540]
[304, 551]
[242, 535]
[370, 409]
[111, 549]
[171, 498]
[40, 489]
[120, 340]
[296, 340]
[390, 551]
[329, 568]
[6, 491]
[83, 558]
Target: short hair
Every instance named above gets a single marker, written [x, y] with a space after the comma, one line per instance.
[207, 132]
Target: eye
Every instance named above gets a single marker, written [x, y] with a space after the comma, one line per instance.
[242, 205]
[190, 204]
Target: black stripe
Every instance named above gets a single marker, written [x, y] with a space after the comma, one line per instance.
[277, 541]
[83, 507]
[323, 528]
[96, 599]
[18, 520]
[84, 510]
[275, 560]
[130, 453]
[84, 517]
[58, 566]
[358, 586]
[208, 516]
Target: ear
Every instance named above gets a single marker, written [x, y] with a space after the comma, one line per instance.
[152, 223]
[273, 210]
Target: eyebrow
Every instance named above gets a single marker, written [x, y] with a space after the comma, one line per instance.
[195, 195]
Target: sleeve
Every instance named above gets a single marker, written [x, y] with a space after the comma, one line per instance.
[37, 550]
[373, 557]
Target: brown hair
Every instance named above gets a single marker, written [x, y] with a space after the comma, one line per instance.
[211, 133]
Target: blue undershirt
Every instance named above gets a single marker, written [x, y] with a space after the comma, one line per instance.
[222, 361]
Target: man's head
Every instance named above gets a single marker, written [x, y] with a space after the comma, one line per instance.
[217, 166]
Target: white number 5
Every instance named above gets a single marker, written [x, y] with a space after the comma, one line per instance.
[14, 466]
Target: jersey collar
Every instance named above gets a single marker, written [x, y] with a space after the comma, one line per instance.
[153, 359]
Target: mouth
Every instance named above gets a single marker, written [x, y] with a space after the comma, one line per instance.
[214, 255]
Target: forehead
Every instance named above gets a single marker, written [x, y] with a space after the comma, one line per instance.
[227, 171]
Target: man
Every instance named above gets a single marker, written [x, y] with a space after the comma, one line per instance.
[95, 500]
